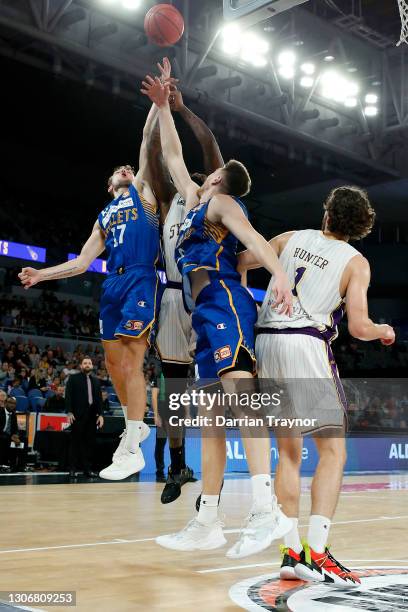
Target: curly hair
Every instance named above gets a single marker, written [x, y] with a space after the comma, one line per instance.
[349, 212]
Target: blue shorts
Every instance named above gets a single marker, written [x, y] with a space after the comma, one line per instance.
[224, 319]
[129, 303]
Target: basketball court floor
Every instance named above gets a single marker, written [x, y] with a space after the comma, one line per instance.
[97, 539]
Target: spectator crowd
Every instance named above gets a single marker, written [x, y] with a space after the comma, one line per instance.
[48, 315]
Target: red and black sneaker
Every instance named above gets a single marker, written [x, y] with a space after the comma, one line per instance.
[289, 560]
[323, 567]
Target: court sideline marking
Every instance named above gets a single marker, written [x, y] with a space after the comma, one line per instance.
[125, 541]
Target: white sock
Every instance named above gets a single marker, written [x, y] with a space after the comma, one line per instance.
[292, 539]
[134, 430]
[318, 533]
[208, 512]
[261, 493]
[124, 408]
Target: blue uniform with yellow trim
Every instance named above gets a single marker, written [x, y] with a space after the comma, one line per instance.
[129, 294]
[224, 314]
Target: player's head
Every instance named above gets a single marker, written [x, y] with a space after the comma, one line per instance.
[86, 365]
[122, 176]
[232, 179]
[348, 213]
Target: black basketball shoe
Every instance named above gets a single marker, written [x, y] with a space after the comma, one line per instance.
[172, 489]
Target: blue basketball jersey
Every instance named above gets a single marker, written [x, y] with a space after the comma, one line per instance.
[131, 228]
[203, 244]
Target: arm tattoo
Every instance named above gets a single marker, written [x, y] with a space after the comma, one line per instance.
[67, 272]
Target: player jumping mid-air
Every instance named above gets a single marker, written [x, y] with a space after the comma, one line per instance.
[175, 338]
[329, 277]
[224, 315]
[128, 229]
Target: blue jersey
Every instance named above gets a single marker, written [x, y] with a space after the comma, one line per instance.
[204, 245]
[131, 228]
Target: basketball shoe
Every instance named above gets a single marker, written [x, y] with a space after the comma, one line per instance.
[289, 561]
[323, 567]
[195, 536]
[261, 529]
[124, 463]
[174, 482]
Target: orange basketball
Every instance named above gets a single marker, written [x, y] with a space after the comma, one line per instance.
[164, 25]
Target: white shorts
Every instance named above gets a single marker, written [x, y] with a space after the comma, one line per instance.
[175, 337]
[307, 367]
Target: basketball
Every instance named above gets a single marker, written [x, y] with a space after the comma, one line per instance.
[164, 25]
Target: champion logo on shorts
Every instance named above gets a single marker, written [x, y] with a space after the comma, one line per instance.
[134, 325]
[142, 304]
[221, 326]
[223, 353]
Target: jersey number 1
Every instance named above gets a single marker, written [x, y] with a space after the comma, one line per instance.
[121, 230]
[298, 277]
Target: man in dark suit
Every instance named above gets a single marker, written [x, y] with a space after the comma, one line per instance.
[83, 399]
[8, 426]
[56, 403]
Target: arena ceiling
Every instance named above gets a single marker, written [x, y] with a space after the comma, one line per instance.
[297, 141]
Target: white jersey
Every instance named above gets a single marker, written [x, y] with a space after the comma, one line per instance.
[171, 230]
[314, 265]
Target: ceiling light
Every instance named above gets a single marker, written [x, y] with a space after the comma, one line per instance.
[350, 102]
[307, 81]
[131, 4]
[287, 72]
[329, 58]
[371, 98]
[371, 111]
[287, 58]
[308, 68]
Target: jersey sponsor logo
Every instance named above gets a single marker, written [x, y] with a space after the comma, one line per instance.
[114, 208]
[383, 589]
[221, 326]
[134, 325]
[141, 303]
[222, 353]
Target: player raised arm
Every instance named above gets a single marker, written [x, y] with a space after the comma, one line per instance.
[171, 145]
[247, 259]
[94, 246]
[209, 145]
[224, 209]
[359, 324]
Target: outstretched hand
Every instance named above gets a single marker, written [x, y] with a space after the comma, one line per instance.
[165, 69]
[29, 277]
[157, 91]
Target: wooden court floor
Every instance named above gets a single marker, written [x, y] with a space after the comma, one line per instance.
[98, 539]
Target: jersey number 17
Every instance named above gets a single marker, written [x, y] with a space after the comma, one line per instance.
[120, 234]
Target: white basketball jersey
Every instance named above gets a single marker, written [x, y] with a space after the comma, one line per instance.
[314, 265]
[171, 229]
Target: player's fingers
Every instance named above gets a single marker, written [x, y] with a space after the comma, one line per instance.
[145, 85]
[289, 302]
[149, 79]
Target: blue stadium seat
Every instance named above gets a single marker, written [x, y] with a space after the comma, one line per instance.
[37, 404]
[49, 393]
[110, 390]
[33, 396]
[112, 397]
[22, 403]
[17, 392]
